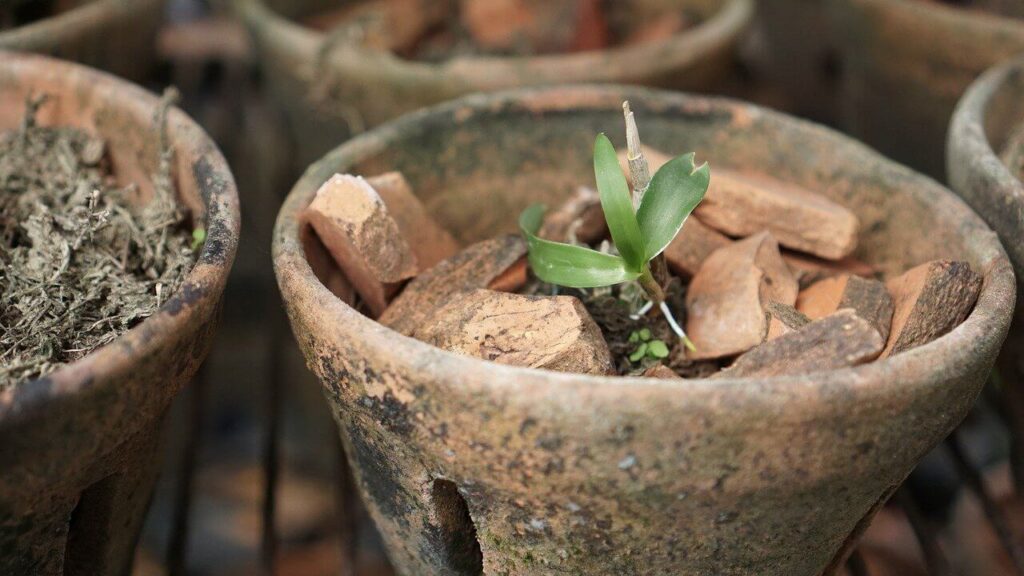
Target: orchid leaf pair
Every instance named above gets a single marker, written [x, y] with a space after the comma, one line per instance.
[639, 235]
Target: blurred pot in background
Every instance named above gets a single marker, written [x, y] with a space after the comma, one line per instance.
[792, 57]
[113, 35]
[338, 71]
[986, 167]
[905, 63]
[78, 447]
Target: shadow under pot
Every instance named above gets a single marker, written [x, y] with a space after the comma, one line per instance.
[905, 63]
[112, 35]
[985, 155]
[338, 71]
[469, 466]
[78, 445]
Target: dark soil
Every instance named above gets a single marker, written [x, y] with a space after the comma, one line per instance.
[14, 13]
[79, 263]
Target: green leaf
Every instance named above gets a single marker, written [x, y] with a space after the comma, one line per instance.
[645, 334]
[634, 337]
[568, 265]
[675, 191]
[639, 353]
[657, 349]
[616, 203]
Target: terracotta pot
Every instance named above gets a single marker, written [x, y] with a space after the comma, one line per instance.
[331, 92]
[905, 64]
[982, 125]
[113, 35]
[791, 52]
[579, 474]
[78, 447]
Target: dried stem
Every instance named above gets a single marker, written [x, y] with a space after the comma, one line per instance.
[639, 172]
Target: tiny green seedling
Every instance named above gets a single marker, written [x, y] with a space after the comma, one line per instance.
[642, 224]
[646, 347]
[198, 238]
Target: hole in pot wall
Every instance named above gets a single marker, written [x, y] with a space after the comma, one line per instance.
[459, 543]
[87, 529]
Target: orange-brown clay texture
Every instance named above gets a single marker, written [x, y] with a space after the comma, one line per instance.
[556, 473]
[81, 443]
[331, 90]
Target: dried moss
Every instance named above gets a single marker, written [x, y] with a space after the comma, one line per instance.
[79, 264]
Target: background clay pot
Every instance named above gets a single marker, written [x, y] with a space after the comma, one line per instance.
[330, 91]
[78, 447]
[599, 475]
[113, 35]
[791, 50]
[983, 126]
[905, 65]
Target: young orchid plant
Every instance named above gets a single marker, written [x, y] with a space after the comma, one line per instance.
[642, 224]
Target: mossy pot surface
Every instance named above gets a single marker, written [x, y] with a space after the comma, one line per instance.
[78, 447]
[984, 122]
[906, 63]
[330, 91]
[113, 35]
[573, 474]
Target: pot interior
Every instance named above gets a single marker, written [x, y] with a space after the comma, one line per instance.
[420, 29]
[477, 169]
[117, 114]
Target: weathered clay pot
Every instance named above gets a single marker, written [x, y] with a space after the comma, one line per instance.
[113, 35]
[331, 91]
[990, 111]
[905, 64]
[575, 474]
[78, 447]
[791, 51]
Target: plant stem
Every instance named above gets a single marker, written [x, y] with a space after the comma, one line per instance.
[639, 172]
[651, 286]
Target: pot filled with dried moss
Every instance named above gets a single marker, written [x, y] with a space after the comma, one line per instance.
[986, 167]
[906, 63]
[112, 35]
[720, 363]
[339, 68]
[118, 225]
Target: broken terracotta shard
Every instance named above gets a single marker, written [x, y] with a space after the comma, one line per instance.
[809, 269]
[727, 298]
[694, 243]
[741, 205]
[476, 266]
[930, 300]
[351, 220]
[868, 298]
[550, 332]
[580, 218]
[783, 319]
[429, 241]
[838, 341]
[661, 371]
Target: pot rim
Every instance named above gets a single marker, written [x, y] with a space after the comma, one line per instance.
[951, 354]
[84, 16]
[207, 276]
[726, 22]
[948, 13]
[973, 166]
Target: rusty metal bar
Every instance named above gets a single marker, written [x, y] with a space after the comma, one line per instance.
[1010, 541]
[856, 566]
[934, 558]
[177, 547]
